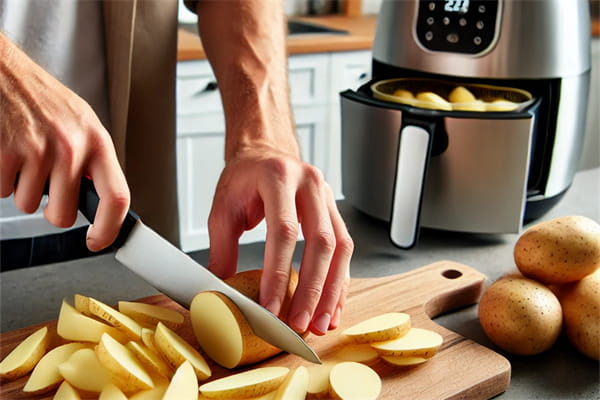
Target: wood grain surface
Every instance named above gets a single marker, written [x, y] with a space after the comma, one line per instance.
[462, 369]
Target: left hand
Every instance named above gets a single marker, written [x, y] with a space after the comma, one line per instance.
[265, 182]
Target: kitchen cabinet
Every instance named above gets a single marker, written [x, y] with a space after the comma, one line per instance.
[315, 82]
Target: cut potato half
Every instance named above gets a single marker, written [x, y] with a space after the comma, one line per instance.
[223, 332]
[404, 361]
[354, 381]
[21, 360]
[115, 318]
[152, 362]
[127, 372]
[66, 392]
[111, 392]
[176, 350]
[83, 371]
[45, 376]
[150, 314]
[417, 342]
[380, 328]
[295, 385]
[184, 385]
[248, 384]
[73, 325]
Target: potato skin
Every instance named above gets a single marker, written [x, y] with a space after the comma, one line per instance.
[581, 312]
[520, 315]
[561, 250]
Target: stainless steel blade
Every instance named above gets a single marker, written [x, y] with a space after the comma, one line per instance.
[177, 275]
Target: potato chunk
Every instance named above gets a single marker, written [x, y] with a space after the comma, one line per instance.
[252, 383]
[83, 371]
[354, 381]
[67, 392]
[150, 314]
[115, 318]
[111, 392]
[184, 385]
[295, 385]
[21, 360]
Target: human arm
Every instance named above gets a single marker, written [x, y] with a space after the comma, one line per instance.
[47, 132]
[264, 175]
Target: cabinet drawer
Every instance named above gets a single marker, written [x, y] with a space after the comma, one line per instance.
[349, 70]
[308, 78]
[197, 90]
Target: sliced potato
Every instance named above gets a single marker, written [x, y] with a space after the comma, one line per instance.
[111, 392]
[354, 381]
[380, 328]
[176, 350]
[66, 392]
[156, 393]
[224, 333]
[73, 325]
[403, 94]
[21, 360]
[82, 304]
[148, 339]
[432, 101]
[115, 318]
[404, 361]
[461, 94]
[362, 353]
[83, 371]
[150, 314]
[501, 105]
[127, 372]
[184, 385]
[252, 383]
[318, 380]
[417, 342]
[151, 361]
[295, 385]
[45, 376]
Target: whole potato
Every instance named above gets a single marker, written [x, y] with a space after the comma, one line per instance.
[561, 250]
[581, 313]
[520, 315]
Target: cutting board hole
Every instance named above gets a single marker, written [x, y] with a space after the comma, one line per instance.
[451, 274]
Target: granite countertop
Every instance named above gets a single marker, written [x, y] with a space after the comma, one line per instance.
[33, 295]
[361, 31]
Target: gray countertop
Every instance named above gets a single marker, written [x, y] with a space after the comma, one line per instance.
[33, 295]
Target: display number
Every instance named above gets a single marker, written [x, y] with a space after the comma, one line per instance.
[460, 6]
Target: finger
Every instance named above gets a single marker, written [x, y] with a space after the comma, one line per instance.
[318, 250]
[30, 187]
[224, 231]
[63, 197]
[113, 192]
[328, 312]
[282, 235]
[8, 174]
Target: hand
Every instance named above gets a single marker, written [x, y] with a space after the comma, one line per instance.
[267, 183]
[47, 132]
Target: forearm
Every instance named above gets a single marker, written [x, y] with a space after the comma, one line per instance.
[245, 44]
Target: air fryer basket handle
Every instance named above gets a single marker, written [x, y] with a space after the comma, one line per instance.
[413, 157]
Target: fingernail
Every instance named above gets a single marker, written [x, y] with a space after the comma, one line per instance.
[89, 240]
[321, 323]
[337, 314]
[274, 305]
[300, 321]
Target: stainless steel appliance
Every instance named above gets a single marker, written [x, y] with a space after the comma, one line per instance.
[473, 169]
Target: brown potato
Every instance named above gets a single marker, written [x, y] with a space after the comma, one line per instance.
[561, 250]
[520, 315]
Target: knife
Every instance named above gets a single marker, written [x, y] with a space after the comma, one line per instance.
[178, 276]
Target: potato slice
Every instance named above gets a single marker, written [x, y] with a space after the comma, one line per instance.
[82, 304]
[354, 381]
[148, 339]
[403, 361]
[295, 385]
[501, 105]
[184, 385]
[252, 383]
[73, 325]
[127, 372]
[318, 380]
[45, 376]
[83, 371]
[150, 360]
[432, 101]
[224, 333]
[111, 392]
[150, 314]
[176, 350]
[362, 353]
[21, 360]
[380, 328]
[417, 342]
[66, 392]
[156, 393]
[115, 318]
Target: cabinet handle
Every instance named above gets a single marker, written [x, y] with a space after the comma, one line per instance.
[362, 76]
[210, 87]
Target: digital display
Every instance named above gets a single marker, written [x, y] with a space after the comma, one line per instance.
[458, 6]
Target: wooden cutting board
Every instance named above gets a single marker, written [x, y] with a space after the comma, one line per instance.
[462, 369]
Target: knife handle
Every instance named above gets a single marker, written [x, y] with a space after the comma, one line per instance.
[88, 205]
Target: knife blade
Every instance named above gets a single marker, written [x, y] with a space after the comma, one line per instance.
[178, 276]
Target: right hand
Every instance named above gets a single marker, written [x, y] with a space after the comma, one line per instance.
[47, 132]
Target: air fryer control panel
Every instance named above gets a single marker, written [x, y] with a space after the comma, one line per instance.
[457, 26]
